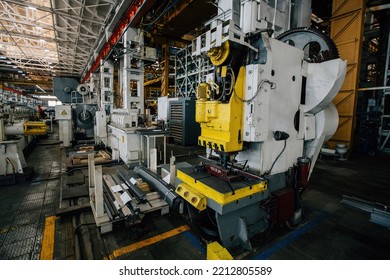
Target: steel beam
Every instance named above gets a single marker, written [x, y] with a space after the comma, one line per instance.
[50, 10]
[130, 18]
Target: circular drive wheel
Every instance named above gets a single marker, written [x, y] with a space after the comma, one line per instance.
[317, 46]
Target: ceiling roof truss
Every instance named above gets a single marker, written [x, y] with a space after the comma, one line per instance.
[52, 36]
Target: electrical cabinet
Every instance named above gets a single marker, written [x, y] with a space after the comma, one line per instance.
[183, 127]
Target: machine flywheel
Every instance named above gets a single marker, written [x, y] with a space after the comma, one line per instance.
[317, 46]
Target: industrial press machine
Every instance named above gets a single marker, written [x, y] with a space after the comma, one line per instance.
[264, 115]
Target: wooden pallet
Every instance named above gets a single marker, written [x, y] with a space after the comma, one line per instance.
[81, 157]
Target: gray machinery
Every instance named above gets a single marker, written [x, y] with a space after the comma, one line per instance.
[122, 136]
[17, 131]
[264, 117]
[84, 119]
[77, 114]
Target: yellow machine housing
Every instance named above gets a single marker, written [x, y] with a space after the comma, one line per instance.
[216, 252]
[34, 128]
[221, 123]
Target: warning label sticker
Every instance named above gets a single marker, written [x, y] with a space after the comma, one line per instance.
[64, 113]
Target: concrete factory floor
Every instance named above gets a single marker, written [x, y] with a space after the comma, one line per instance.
[32, 210]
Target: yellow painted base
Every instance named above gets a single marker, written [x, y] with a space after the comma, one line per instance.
[220, 198]
[216, 252]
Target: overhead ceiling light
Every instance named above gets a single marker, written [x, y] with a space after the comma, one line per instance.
[45, 96]
[9, 62]
[38, 27]
[32, 8]
[3, 57]
[20, 71]
[14, 67]
[42, 40]
[46, 50]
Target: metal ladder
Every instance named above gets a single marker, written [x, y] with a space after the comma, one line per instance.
[384, 130]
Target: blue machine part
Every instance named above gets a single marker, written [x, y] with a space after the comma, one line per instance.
[65, 90]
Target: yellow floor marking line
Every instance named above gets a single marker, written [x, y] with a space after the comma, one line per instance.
[147, 242]
[47, 250]
[7, 229]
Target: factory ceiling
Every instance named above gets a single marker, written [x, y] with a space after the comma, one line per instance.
[40, 39]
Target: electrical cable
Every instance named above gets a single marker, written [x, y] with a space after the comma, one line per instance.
[273, 85]
[163, 12]
[80, 225]
[276, 159]
[233, 81]
[223, 92]
[7, 160]
[267, 233]
[211, 220]
[157, 11]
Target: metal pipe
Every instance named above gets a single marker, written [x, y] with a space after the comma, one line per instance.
[381, 218]
[166, 191]
[289, 15]
[135, 210]
[15, 129]
[139, 194]
[373, 88]
[274, 19]
[2, 135]
[378, 8]
[51, 124]
[360, 204]
[109, 199]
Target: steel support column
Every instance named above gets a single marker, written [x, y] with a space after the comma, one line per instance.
[131, 18]
[165, 72]
[347, 32]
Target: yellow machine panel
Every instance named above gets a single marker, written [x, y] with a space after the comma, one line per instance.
[221, 123]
